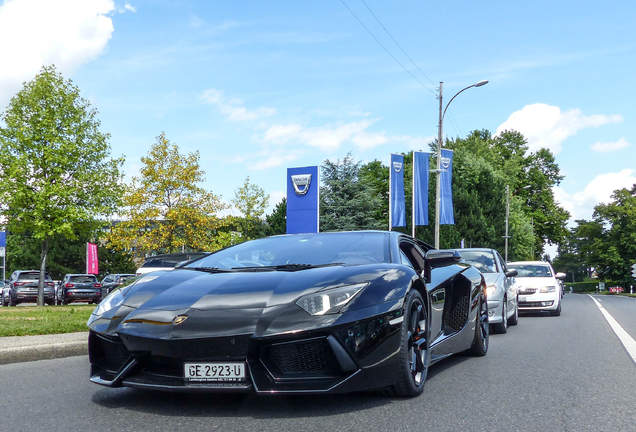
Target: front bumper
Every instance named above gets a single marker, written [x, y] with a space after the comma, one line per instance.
[354, 356]
[539, 302]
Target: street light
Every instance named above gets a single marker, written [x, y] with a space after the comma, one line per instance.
[439, 152]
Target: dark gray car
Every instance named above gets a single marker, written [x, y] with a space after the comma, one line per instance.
[79, 288]
[112, 281]
[22, 287]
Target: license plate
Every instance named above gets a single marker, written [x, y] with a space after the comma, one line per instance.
[522, 298]
[214, 372]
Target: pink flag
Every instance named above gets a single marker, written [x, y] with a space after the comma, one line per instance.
[92, 262]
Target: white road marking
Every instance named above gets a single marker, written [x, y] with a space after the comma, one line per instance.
[628, 342]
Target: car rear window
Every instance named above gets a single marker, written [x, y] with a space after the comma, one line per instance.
[83, 279]
[32, 276]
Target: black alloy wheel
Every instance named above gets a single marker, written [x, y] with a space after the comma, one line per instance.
[481, 339]
[414, 348]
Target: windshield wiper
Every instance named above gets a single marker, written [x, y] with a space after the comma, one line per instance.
[208, 269]
[285, 267]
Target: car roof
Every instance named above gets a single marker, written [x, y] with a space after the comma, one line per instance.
[477, 249]
[529, 262]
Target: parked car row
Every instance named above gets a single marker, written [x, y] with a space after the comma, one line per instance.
[22, 287]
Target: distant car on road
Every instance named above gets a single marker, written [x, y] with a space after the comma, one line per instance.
[501, 293]
[112, 281]
[538, 286]
[79, 288]
[167, 261]
[22, 287]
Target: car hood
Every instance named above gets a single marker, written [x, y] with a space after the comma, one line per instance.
[535, 282]
[491, 278]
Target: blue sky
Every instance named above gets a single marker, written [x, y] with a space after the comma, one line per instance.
[260, 86]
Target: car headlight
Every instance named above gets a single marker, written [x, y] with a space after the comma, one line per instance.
[330, 300]
[547, 289]
[112, 300]
[490, 290]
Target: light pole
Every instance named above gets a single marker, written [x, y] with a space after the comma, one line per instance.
[439, 152]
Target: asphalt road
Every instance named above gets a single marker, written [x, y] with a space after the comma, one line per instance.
[567, 373]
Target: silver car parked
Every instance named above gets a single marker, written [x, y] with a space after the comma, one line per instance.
[503, 309]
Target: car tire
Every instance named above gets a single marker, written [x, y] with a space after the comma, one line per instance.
[514, 319]
[481, 340]
[502, 327]
[556, 312]
[413, 355]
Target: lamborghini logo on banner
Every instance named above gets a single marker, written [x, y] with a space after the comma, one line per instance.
[179, 319]
[301, 183]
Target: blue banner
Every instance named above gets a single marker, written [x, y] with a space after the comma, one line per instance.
[420, 187]
[397, 206]
[3, 239]
[303, 189]
[446, 196]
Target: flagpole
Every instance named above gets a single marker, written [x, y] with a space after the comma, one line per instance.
[413, 197]
[390, 168]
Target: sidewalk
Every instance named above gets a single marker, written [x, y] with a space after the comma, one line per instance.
[15, 349]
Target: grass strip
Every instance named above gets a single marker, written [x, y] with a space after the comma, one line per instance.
[33, 320]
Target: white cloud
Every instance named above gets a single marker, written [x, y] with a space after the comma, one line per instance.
[130, 8]
[605, 147]
[34, 33]
[233, 108]
[545, 126]
[272, 159]
[326, 137]
[581, 204]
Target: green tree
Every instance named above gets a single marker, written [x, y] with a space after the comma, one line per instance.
[615, 247]
[251, 201]
[346, 202]
[164, 209]
[65, 255]
[55, 167]
[277, 220]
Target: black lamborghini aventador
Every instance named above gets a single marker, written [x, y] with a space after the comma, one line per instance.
[310, 313]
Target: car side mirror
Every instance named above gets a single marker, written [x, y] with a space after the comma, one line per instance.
[439, 258]
[512, 273]
[560, 275]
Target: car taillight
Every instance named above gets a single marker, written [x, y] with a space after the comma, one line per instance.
[19, 283]
[69, 285]
[97, 285]
[50, 284]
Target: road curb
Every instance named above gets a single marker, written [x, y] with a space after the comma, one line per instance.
[31, 348]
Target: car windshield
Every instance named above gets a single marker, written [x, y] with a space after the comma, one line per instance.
[531, 270]
[126, 277]
[482, 260]
[306, 249]
[83, 279]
